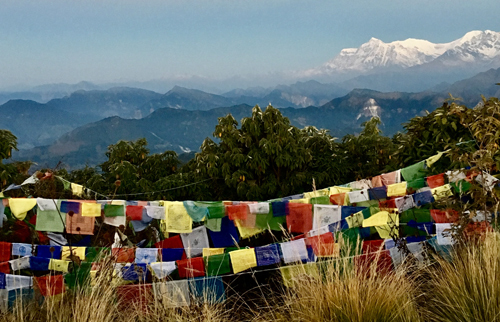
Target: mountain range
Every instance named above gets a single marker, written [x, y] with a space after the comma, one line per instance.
[75, 123]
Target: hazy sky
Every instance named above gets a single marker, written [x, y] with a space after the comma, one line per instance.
[48, 41]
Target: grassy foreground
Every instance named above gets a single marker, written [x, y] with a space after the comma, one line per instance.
[467, 288]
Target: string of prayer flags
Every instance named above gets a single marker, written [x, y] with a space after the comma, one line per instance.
[20, 206]
[195, 241]
[299, 219]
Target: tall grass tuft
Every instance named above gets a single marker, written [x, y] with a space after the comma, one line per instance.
[341, 292]
[467, 288]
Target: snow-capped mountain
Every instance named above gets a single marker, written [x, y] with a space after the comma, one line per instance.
[474, 47]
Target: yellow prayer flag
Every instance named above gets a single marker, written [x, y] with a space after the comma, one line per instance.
[294, 273]
[336, 190]
[243, 259]
[317, 193]
[442, 192]
[356, 220]
[382, 218]
[212, 251]
[59, 265]
[303, 200]
[431, 160]
[76, 251]
[91, 209]
[396, 189]
[246, 232]
[20, 206]
[77, 189]
[386, 231]
[177, 218]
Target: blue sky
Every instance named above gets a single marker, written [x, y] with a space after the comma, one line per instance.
[53, 41]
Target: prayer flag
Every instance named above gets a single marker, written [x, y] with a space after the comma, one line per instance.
[243, 259]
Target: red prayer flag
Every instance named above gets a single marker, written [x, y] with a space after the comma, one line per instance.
[191, 267]
[371, 246]
[50, 285]
[5, 251]
[5, 268]
[299, 219]
[323, 245]
[382, 261]
[237, 211]
[124, 255]
[435, 181]
[337, 199]
[134, 296]
[444, 216]
[134, 212]
[387, 204]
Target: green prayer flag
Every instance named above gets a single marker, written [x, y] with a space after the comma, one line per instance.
[93, 254]
[269, 221]
[418, 215]
[461, 186]
[368, 203]
[214, 224]
[50, 220]
[217, 264]
[323, 200]
[351, 241]
[216, 210]
[414, 185]
[113, 210]
[414, 171]
[80, 276]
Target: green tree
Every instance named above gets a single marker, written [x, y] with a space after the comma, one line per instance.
[266, 158]
[8, 142]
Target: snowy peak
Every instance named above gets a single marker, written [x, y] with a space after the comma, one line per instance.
[376, 54]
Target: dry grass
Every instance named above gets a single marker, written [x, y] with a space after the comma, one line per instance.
[465, 289]
[468, 287]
